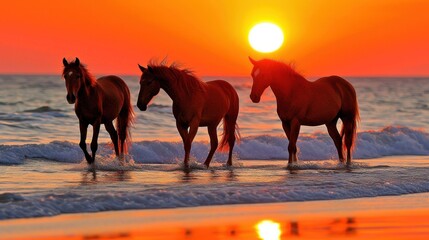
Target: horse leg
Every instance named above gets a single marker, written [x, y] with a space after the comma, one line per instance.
[294, 132]
[83, 127]
[335, 135]
[231, 133]
[286, 128]
[94, 142]
[113, 135]
[193, 129]
[349, 125]
[184, 134]
[213, 143]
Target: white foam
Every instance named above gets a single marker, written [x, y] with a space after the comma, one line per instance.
[110, 163]
[389, 141]
[56, 151]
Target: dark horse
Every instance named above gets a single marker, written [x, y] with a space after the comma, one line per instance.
[99, 102]
[195, 103]
[300, 102]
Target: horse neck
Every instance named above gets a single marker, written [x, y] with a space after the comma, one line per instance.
[285, 84]
[177, 92]
[170, 87]
[88, 86]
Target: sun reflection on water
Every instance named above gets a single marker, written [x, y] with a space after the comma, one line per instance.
[268, 230]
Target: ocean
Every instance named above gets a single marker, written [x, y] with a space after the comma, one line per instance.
[43, 171]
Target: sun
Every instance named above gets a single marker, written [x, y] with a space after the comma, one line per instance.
[266, 37]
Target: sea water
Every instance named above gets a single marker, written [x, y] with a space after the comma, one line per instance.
[43, 171]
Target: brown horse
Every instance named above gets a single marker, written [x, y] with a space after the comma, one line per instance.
[300, 102]
[99, 102]
[195, 104]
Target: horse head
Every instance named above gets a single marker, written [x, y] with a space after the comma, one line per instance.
[73, 77]
[149, 87]
[261, 80]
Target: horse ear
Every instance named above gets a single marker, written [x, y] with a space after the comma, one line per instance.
[143, 69]
[77, 61]
[149, 68]
[254, 62]
[65, 63]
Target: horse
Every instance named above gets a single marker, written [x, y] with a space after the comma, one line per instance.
[99, 101]
[301, 102]
[195, 104]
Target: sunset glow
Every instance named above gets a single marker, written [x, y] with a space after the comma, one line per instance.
[359, 38]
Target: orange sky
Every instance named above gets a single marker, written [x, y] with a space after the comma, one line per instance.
[344, 37]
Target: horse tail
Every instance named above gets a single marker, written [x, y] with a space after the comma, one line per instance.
[124, 122]
[351, 121]
[231, 131]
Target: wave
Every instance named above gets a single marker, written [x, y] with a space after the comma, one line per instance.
[43, 109]
[389, 141]
[160, 108]
[11, 103]
[15, 205]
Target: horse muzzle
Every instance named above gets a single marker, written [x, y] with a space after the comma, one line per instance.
[71, 99]
[255, 98]
[142, 107]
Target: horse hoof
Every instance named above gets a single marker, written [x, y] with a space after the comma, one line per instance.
[207, 164]
[91, 167]
[291, 166]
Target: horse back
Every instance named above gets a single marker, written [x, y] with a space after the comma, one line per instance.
[221, 88]
[225, 86]
[340, 85]
[343, 89]
[318, 102]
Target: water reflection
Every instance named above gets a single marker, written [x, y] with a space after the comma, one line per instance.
[231, 176]
[94, 177]
[89, 177]
[214, 175]
[119, 176]
[122, 235]
[294, 230]
[187, 176]
[268, 230]
[271, 230]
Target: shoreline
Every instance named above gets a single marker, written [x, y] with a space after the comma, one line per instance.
[390, 214]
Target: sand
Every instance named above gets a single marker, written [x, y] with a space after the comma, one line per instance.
[392, 217]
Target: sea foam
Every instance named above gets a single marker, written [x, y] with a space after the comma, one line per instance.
[389, 141]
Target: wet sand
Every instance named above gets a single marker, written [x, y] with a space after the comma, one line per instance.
[393, 217]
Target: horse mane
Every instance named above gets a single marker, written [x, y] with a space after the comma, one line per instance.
[281, 69]
[85, 73]
[184, 78]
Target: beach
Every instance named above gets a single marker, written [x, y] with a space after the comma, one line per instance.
[298, 215]
[392, 217]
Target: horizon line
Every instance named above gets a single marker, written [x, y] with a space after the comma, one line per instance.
[237, 76]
